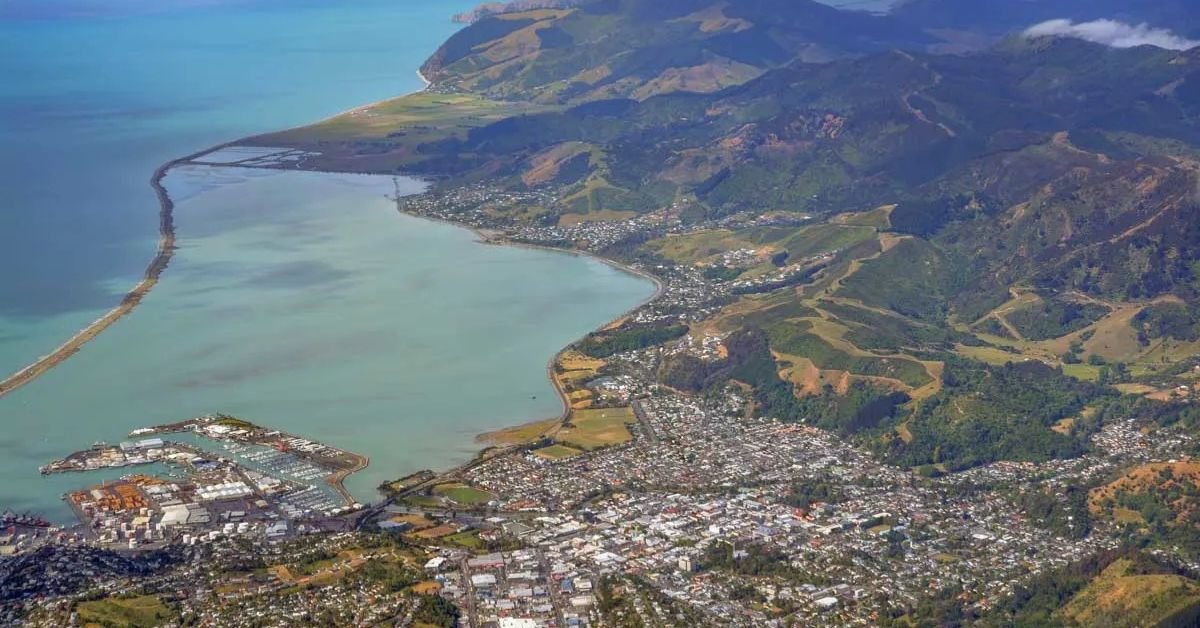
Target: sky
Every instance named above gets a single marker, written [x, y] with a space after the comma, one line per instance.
[1113, 33]
[861, 5]
[48, 9]
[100, 8]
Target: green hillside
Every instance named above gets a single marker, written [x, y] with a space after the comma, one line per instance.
[640, 48]
[997, 232]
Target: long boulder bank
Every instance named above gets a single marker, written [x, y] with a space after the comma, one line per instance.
[154, 270]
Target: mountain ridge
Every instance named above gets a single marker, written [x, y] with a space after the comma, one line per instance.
[1032, 201]
[635, 48]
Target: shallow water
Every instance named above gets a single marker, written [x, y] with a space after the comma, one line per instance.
[306, 302]
[300, 301]
[97, 93]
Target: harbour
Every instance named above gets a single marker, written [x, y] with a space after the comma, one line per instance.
[291, 294]
[287, 294]
[224, 476]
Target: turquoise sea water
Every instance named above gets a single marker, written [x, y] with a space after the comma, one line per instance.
[297, 300]
[97, 93]
[305, 301]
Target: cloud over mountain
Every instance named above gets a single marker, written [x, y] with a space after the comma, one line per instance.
[1113, 33]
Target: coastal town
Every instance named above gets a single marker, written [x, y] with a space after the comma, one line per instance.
[689, 509]
[669, 510]
[702, 516]
[922, 349]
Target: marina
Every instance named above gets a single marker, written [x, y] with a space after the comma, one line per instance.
[221, 476]
[277, 452]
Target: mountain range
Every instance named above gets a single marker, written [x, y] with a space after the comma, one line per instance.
[633, 48]
[1005, 235]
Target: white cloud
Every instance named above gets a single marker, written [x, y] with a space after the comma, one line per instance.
[1113, 33]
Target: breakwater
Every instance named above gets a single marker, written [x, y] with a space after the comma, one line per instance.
[154, 270]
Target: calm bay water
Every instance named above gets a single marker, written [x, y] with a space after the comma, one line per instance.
[298, 300]
[98, 93]
[306, 301]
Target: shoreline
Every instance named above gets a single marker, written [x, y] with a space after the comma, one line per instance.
[659, 289]
[338, 480]
[158, 264]
[486, 238]
[166, 250]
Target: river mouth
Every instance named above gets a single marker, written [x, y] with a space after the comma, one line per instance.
[306, 301]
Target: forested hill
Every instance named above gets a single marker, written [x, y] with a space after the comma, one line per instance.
[639, 48]
[856, 133]
[1036, 200]
[572, 52]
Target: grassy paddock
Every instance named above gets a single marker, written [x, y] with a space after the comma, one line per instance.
[422, 501]
[469, 539]
[422, 114]
[1118, 593]
[146, 610]
[698, 246]
[463, 494]
[594, 428]
[556, 452]
[519, 434]
[386, 136]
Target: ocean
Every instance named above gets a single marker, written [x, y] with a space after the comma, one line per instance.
[94, 100]
[302, 301]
